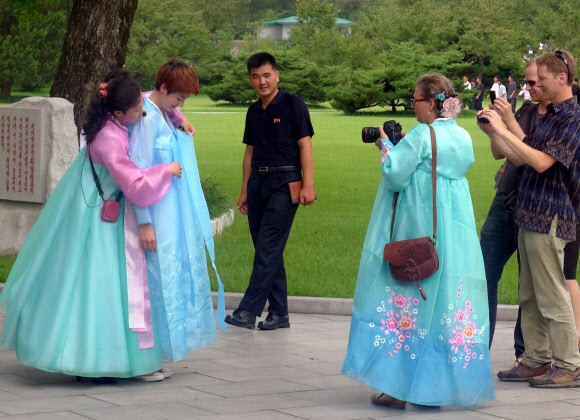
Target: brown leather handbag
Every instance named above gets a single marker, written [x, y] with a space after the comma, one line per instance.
[413, 260]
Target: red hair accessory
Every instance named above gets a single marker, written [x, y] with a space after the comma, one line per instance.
[103, 90]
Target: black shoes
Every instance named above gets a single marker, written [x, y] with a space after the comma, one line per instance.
[243, 319]
[273, 322]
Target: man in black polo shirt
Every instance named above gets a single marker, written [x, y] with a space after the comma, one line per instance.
[278, 139]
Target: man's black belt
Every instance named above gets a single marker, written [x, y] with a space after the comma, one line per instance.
[269, 169]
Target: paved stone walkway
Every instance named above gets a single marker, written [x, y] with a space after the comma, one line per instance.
[285, 374]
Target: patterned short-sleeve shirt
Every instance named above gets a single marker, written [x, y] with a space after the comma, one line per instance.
[556, 191]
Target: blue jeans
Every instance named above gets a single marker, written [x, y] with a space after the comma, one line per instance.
[499, 240]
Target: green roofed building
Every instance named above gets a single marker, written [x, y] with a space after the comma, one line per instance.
[280, 29]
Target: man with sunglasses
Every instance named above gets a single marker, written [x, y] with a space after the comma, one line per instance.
[547, 210]
[499, 233]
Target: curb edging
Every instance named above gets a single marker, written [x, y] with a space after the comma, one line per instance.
[221, 222]
[338, 306]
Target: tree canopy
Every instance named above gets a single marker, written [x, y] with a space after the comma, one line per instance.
[31, 36]
[375, 62]
[394, 41]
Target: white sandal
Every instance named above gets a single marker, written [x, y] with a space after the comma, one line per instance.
[150, 377]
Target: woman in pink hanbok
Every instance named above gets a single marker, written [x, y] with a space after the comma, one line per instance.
[77, 297]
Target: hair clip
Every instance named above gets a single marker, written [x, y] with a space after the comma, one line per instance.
[441, 96]
[102, 93]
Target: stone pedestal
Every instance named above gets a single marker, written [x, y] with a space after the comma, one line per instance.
[38, 141]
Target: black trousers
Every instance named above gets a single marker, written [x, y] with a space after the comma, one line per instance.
[513, 102]
[270, 216]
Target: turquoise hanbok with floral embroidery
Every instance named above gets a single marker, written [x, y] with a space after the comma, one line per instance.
[435, 351]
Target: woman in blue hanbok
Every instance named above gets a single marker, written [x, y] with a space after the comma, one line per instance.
[431, 352]
[178, 227]
[77, 297]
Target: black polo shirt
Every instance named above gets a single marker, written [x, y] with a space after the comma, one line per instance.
[274, 132]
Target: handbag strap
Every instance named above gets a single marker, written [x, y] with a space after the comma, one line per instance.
[118, 196]
[95, 176]
[433, 184]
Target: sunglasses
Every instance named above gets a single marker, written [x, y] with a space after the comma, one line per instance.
[530, 83]
[562, 57]
[418, 100]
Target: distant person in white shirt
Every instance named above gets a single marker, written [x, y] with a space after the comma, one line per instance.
[501, 91]
[495, 86]
[466, 83]
[525, 93]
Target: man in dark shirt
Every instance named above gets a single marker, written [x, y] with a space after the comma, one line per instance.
[499, 233]
[478, 100]
[547, 211]
[278, 139]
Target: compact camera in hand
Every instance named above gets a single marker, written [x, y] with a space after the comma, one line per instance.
[492, 97]
[392, 129]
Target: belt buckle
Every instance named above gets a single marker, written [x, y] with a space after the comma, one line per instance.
[263, 169]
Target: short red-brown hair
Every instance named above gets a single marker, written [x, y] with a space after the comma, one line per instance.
[178, 76]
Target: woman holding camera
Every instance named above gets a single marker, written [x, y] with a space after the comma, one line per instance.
[77, 298]
[430, 352]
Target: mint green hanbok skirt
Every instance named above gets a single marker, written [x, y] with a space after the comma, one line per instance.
[66, 296]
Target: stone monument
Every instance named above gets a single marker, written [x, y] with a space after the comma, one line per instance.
[38, 142]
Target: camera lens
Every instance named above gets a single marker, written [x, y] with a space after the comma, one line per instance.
[370, 134]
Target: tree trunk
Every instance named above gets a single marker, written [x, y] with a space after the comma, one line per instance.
[5, 90]
[95, 43]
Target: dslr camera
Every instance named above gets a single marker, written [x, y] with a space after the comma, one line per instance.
[392, 129]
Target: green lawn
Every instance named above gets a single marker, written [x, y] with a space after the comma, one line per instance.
[325, 245]
[17, 95]
[326, 241]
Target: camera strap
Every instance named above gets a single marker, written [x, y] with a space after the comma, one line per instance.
[118, 196]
